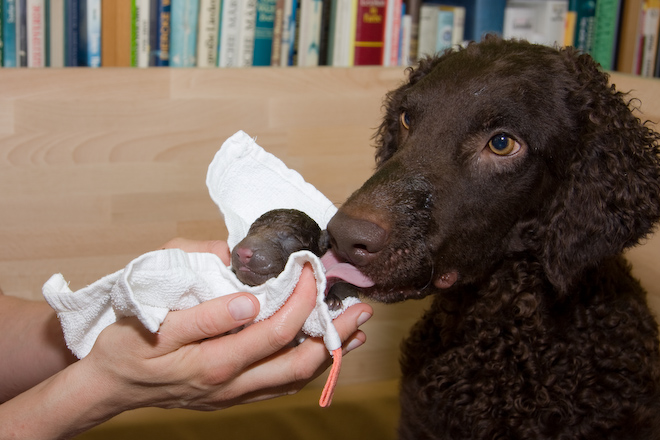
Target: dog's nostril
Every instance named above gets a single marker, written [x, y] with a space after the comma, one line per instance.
[357, 240]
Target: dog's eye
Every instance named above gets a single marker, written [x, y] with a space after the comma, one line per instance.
[405, 120]
[503, 145]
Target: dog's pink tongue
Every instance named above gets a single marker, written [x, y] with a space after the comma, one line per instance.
[345, 271]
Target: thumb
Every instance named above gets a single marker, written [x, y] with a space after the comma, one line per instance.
[209, 319]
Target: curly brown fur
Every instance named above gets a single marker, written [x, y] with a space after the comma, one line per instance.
[537, 329]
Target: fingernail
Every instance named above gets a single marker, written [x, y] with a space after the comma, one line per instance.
[364, 317]
[355, 343]
[241, 308]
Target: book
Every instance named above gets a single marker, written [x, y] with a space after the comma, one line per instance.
[391, 40]
[287, 46]
[405, 55]
[585, 21]
[481, 16]
[324, 41]
[140, 33]
[183, 34]
[228, 46]
[55, 40]
[445, 32]
[9, 33]
[36, 33]
[309, 39]
[159, 31]
[1, 42]
[627, 57]
[278, 23]
[651, 13]
[21, 33]
[116, 18]
[342, 33]
[458, 35]
[89, 45]
[413, 10]
[71, 32]
[606, 32]
[246, 30]
[207, 39]
[263, 32]
[428, 30]
[369, 32]
[542, 22]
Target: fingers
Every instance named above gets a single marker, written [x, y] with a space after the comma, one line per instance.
[271, 335]
[218, 247]
[209, 319]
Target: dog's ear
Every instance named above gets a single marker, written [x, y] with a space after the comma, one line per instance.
[610, 195]
[387, 134]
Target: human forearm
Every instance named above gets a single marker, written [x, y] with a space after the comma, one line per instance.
[32, 345]
[62, 406]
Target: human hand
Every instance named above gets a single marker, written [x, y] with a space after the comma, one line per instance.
[191, 362]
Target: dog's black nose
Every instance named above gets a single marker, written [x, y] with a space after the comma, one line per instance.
[356, 240]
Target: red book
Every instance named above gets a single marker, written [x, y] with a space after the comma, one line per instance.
[369, 32]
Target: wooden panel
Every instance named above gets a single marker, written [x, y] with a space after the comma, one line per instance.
[99, 166]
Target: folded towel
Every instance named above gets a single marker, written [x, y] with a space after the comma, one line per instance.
[244, 181]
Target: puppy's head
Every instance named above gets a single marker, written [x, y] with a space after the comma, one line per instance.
[500, 148]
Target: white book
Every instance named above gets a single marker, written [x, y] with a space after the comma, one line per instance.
[406, 38]
[207, 39]
[246, 27]
[541, 22]
[458, 35]
[93, 29]
[428, 30]
[229, 34]
[344, 33]
[36, 35]
[142, 29]
[309, 40]
[650, 40]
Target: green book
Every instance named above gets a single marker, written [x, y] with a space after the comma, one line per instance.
[608, 13]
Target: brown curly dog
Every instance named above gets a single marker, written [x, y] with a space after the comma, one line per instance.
[510, 177]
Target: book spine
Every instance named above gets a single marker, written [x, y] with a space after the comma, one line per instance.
[369, 31]
[406, 40]
[9, 33]
[141, 36]
[246, 33]
[71, 32]
[428, 30]
[35, 13]
[162, 31]
[183, 38]
[207, 40]
[650, 36]
[445, 29]
[392, 33]
[278, 30]
[288, 30]
[606, 30]
[311, 12]
[93, 29]
[585, 22]
[229, 35]
[263, 32]
[324, 39]
[21, 32]
[458, 35]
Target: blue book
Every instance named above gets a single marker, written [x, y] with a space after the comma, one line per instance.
[159, 33]
[21, 33]
[481, 16]
[71, 32]
[183, 37]
[263, 32]
[89, 42]
[9, 32]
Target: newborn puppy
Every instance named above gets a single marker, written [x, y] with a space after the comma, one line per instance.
[263, 253]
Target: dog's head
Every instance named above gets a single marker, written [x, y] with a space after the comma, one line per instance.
[500, 148]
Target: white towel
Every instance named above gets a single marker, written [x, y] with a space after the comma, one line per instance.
[244, 181]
